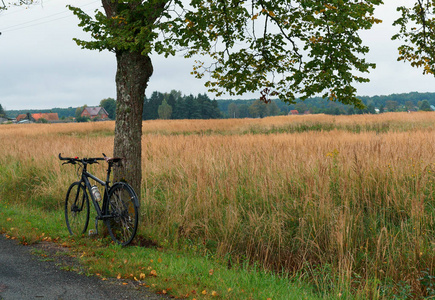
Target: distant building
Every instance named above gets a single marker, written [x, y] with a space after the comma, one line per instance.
[49, 117]
[95, 113]
[293, 112]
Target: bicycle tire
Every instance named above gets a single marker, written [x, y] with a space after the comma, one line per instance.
[124, 211]
[77, 209]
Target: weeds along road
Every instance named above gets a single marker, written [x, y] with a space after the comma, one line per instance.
[24, 275]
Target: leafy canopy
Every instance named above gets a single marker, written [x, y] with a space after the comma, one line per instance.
[417, 31]
[285, 48]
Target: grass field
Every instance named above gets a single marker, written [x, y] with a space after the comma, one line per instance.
[344, 203]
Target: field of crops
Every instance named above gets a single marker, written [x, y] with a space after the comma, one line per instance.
[342, 201]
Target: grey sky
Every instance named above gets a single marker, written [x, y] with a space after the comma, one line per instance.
[41, 67]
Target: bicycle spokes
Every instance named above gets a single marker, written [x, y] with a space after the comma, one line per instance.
[124, 215]
[76, 209]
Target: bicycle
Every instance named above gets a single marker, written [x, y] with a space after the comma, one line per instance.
[119, 209]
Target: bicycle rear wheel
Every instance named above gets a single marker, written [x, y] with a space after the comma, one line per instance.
[77, 209]
[123, 208]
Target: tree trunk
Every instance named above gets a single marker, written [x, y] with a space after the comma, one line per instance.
[132, 75]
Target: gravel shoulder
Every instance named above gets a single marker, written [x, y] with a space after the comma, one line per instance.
[24, 275]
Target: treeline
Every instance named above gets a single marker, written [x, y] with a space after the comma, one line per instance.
[252, 108]
[376, 104]
[175, 106]
[259, 109]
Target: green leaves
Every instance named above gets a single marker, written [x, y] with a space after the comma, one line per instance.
[125, 26]
[289, 48]
[417, 31]
[284, 48]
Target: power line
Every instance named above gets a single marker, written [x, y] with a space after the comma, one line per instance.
[32, 24]
[36, 24]
[22, 8]
[24, 23]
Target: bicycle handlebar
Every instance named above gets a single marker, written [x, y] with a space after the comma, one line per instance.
[74, 160]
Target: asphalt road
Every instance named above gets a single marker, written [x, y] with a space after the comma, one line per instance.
[24, 275]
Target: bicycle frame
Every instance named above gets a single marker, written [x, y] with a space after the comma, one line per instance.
[101, 211]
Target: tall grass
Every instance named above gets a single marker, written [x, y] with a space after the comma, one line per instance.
[349, 207]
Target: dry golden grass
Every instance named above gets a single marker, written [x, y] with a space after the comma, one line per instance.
[353, 199]
[397, 121]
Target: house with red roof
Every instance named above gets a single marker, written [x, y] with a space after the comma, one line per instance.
[49, 117]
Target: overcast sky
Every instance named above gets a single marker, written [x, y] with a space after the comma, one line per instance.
[41, 66]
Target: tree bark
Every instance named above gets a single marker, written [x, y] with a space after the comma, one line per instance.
[132, 75]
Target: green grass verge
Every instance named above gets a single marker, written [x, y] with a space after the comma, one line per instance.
[177, 273]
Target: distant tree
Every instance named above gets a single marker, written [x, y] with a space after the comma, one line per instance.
[165, 110]
[2, 112]
[208, 109]
[272, 109]
[258, 109]
[381, 109]
[425, 106]
[233, 110]
[79, 111]
[371, 108]
[409, 105]
[151, 106]
[334, 108]
[180, 110]
[244, 111]
[391, 105]
[193, 108]
[109, 104]
[175, 94]
[172, 99]
[301, 107]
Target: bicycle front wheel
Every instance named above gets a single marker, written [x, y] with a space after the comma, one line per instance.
[77, 209]
[123, 209]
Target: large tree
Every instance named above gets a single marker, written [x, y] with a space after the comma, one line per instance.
[285, 48]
